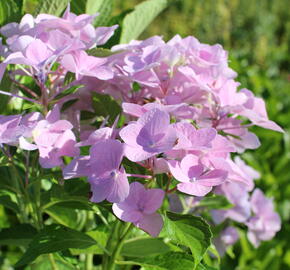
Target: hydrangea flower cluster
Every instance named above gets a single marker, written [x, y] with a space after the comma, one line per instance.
[184, 118]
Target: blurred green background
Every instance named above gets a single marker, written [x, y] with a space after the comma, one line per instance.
[257, 35]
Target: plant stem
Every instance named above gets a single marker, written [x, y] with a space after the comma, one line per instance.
[52, 262]
[110, 243]
[89, 262]
[90, 223]
[119, 246]
[18, 185]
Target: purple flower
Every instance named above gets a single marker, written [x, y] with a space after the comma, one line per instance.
[10, 129]
[13, 128]
[196, 180]
[228, 237]
[107, 179]
[140, 208]
[266, 222]
[152, 134]
[54, 139]
[82, 64]
[238, 195]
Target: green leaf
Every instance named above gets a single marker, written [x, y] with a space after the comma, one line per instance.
[10, 10]
[5, 84]
[66, 92]
[166, 261]
[4, 161]
[45, 263]
[68, 104]
[54, 7]
[20, 235]
[69, 77]
[8, 203]
[144, 247]
[101, 240]
[137, 21]
[64, 216]
[136, 87]
[118, 19]
[54, 238]
[215, 202]
[204, 267]
[191, 231]
[100, 52]
[78, 6]
[29, 6]
[103, 7]
[106, 106]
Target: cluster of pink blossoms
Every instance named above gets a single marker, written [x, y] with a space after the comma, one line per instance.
[185, 117]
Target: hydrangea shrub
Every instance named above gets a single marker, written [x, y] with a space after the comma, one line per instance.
[127, 155]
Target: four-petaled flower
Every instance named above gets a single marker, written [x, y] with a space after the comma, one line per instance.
[140, 208]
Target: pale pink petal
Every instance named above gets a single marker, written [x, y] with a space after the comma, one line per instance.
[78, 167]
[136, 154]
[194, 188]
[176, 171]
[151, 224]
[106, 156]
[37, 52]
[103, 34]
[128, 216]
[129, 134]
[24, 144]
[120, 188]
[65, 144]
[100, 188]
[213, 178]
[191, 161]
[133, 109]
[53, 115]
[154, 200]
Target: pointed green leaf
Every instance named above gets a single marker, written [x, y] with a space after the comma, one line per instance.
[8, 203]
[68, 91]
[69, 77]
[54, 7]
[106, 106]
[103, 7]
[143, 247]
[215, 202]
[136, 21]
[191, 231]
[10, 10]
[78, 7]
[100, 52]
[20, 235]
[68, 104]
[54, 238]
[166, 261]
[99, 248]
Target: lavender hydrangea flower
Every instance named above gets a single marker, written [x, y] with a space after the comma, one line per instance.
[194, 177]
[140, 208]
[228, 237]
[107, 179]
[152, 134]
[265, 223]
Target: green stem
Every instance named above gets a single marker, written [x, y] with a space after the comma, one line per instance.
[109, 244]
[52, 262]
[89, 262]
[19, 186]
[90, 223]
[119, 246]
